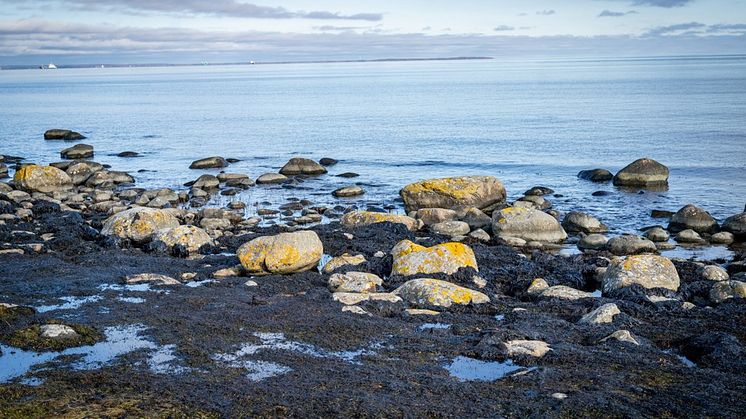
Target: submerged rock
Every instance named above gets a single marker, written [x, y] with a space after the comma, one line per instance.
[42, 179]
[301, 166]
[596, 175]
[284, 253]
[694, 218]
[527, 224]
[434, 292]
[363, 218]
[328, 161]
[648, 271]
[138, 224]
[644, 172]
[209, 163]
[63, 134]
[411, 258]
[482, 192]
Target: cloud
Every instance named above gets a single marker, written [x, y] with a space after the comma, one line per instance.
[503, 28]
[662, 3]
[675, 29]
[546, 12]
[609, 13]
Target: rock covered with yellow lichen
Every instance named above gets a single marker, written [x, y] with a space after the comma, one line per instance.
[425, 292]
[343, 260]
[363, 218]
[283, 253]
[649, 271]
[139, 224]
[191, 237]
[483, 192]
[527, 224]
[45, 179]
[411, 258]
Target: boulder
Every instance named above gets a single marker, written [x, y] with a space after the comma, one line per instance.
[78, 151]
[271, 178]
[451, 228]
[483, 192]
[630, 245]
[57, 331]
[648, 271]
[79, 172]
[328, 161]
[3, 171]
[713, 273]
[642, 173]
[150, 278]
[138, 224]
[362, 282]
[656, 235]
[434, 292]
[723, 237]
[564, 292]
[539, 202]
[301, 166]
[412, 259]
[344, 260]
[44, 179]
[694, 218]
[209, 163]
[580, 222]
[724, 290]
[689, 236]
[206, 182]
[128, 154]
[736, 225]
[527, 224]
[539, 191]
[601, 315]
[191, 237]
[63, 134]
[348, 191]
[592, 242]
[533, 348]
[284, 253]
[476, 218]
[596, 175]
[363, 218]
[431, 216]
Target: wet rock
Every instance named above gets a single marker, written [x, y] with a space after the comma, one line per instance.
[79, 172]
[364, 218]
[451, 228]
[78, 151]
[483, 192]
[630, 245]
[566, 293]
[648, 271]
[108, 179]
[128, 154]
[644, 172]
[580, 222]
[724, 290]
[592, 242]
[284, 253]
[362, 282]
[694, 218]
[327, 161]
[57, 331]
[656, 234]
[601, 315]
[622, 336]
[63, 134]
[206, 182]
[42, 179]
[3, 171]
[209, 163]
[723, 237]
[596, 175]
[431, 216]
[301, 166]
[271, 178]
[661, 214]
[480, 235]
[534, 348]
[713, 273]
[433, 292]
[476, 218]
[689, 236]
[411, 258]
[736, 225]
[344, 260]
[527, 224]
[539, 201]
[191, 238]
[601, 193]
[348, 191]
[150, 278]
[138, 224]
[539, 191]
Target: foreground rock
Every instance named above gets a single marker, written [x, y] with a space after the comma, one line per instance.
[596, 175]
[363, 218]
[44, 179]
[63, 134]
[190, 238]
[482, 192]
[694, 218]
[301, 166]
[642, 173]
[209, 163]
[648, 271]
[139, 224]
[425, 292]
[411, 258]
[527, 224]
[78, 151]
[284, 253]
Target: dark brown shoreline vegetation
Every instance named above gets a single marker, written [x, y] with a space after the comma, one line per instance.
[121, 301]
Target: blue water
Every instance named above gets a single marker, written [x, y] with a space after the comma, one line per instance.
[528, 123]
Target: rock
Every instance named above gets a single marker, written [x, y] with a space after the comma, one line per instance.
[694, 218]
[724, 290]
[482, 192]
[630, 245]
[213, 224]
[42, 179]
[534, 348]
[284, 253]
[648, 271]
[3, 171]
[434, 292]
[622, 336]
[601, 315]
[723, 237]
[476, 218]
[355, 310]
[326, 161]
[596, 175]
[363, 218]
[150, 278]
[57, 331]
[431, 216]
[354, 282]
[580, 222]
[592, 242]
[344, 260]
[190, 237]
[348, 175]
[421, 312]
[736, 225]
[689, 236]
[527, 224]
[78, 151]
[271, 178]
[128, 154]
[209, 163]
[451, 228]
[81, 171]
[138, 224]
[513, 241]
[713, 273]
[537, 286]
[656, 235]
[566, 293]
[480, 235]
[301, 166]
[63, 134]
[661, 214]
[229, 272]
[642, 173]
[411, 258]
[206, 182]
[539, 191]
[350, 298]
[539, 201]
[348, 191]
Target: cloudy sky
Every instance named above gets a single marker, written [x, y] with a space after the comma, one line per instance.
[183, 31]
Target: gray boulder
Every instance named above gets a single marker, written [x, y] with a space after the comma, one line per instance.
[209, 163]
[596, 175]
[301, 166]
[592, 242]
[642, 173]
[630, 245]
[656, 234]
[527, 224]
[736, 225]
[63, 134]
[580, 222]
[648, 271]
[693, 217]
[78, 151]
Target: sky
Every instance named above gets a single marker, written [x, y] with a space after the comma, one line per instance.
[193, 31]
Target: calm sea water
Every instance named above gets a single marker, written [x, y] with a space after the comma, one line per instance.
[528, 123]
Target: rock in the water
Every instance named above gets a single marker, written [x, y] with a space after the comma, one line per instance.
[191, 237]
[431, 216]
[723, 237]
[57, 331]
[656, 235]
[138, 224]
[411, 258]
[527, 224]
[348, 191]
[694, 218]
[344, 260]
[209, 163]
[630, 245]
[580, 222]
[539, 191]
[713, 273]
[724, 290]
[206, 182]
[648, 271]
[483, 192]
[328, 161]
[689, 236]
[592, 242]
[601, 315]
[736, 225]
[301, 166]
[63, 134]
[534, 348]
[271, 178]
[434, 292]
[362, 218]
[284, 253]
[128, 154]
[78, 151]
[451, 228]
[42, 179]
[596, 175]
[642, 173]
[354, 282]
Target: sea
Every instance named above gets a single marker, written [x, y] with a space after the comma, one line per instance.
[527, 122]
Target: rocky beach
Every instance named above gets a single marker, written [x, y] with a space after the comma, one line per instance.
[449, 300]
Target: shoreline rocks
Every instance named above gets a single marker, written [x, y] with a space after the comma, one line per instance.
[301, 166]
[138, 224]
[283, 253]
[648, 271]
[42, 179]
[78, 151]
[483, 192]
[527, 224]
[424, 292]
[694, 218]
[363, 218]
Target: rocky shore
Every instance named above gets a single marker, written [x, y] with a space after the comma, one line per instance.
[119, 301]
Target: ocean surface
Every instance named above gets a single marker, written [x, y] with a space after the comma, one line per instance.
[528, 123]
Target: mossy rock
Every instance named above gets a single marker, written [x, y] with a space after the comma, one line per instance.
[9, 314]
[30, 338]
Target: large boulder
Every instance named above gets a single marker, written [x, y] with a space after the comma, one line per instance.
[433, 292]
[482, 192]
[191, 237]
[580, 222]
[63, 134]
[301, 166]
[411, 258]
[209, 163]
[630, 245]
[527, 224]
[649, 271]
[596, 175]
[363, 218]
[693, 217]
[79, 172]
[78, 151]
[138, 224]
[642, 173]
[42, 179]
[284, 253]
[736, 225]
